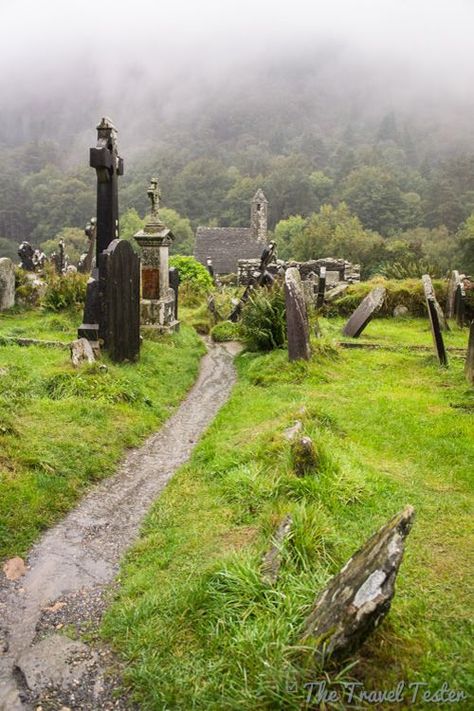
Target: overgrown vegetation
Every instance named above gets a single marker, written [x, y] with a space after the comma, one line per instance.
[194, 621]
[263, 324]
[61, 429]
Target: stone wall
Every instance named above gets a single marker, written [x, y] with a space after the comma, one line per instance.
[337, 270]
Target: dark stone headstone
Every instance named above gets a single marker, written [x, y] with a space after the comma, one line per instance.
[321, 287]
[357, 599]
[119, 286]
[433, 314]
[297, 326]
[364, 312]
[469, 366]
[174, 284]
[26, 253]
[460, 304]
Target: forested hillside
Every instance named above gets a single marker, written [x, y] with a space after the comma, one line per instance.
[405, 175]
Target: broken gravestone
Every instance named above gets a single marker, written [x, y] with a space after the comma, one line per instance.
[469, 366]
[271, 562]
[453, 284]
[364, 312]
[304, 456]
[433, 313]
[297, 326]
[7, 284]
[357, 599]
[81, 352]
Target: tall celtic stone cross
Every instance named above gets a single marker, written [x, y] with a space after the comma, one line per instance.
[154, 194]
[108, 165]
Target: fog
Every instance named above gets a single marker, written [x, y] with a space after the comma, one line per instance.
[66, 63]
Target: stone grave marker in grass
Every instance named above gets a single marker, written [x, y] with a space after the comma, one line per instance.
[364, 312]
[469, 366]
[357, 599]
[433, 314]
[453, 284]
[7, 284]
[297, 325]
[460, 304]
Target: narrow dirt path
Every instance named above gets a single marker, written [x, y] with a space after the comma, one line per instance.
[72, 565]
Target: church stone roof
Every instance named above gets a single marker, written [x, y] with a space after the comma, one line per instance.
[225, 246]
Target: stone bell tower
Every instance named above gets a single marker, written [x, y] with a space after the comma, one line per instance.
[259, 216]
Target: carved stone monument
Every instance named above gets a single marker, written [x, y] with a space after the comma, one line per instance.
[357, 599]
[297, 326]
[364, 312]
[158, 298]
[108, 166]
[7, 284]
[434, 317]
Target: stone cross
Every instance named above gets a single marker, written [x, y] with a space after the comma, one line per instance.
[154, 194]
[108, 165]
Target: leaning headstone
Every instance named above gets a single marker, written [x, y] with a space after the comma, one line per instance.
[297, 325]
[453, 284]
[357, 599]
[81, 352]
[469, 366]
[271, 562]
[433, 314]
[337, 291]
[7, 284]
[364, 312]
[119, 287]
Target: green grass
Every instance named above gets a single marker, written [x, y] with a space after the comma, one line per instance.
[193, 620]
[61, 429]
[43, 325]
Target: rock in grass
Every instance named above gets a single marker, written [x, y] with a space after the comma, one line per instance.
[357, 599]
[271, 562]
[304, 455]
[14, 568]
[81, 352]
[293, 431]
[400, 311]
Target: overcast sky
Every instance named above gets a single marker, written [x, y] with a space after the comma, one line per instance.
[40, 38]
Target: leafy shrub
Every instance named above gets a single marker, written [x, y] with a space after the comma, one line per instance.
[263, 319]
[192, 272]
[225, 331]
[410, 269]
[65, 291]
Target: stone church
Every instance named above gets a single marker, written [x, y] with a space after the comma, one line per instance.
[226, 245]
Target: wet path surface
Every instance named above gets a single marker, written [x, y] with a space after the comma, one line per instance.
[73, 563]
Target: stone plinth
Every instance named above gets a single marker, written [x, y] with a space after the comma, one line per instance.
[157, 305]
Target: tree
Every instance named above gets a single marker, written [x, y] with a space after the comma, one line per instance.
[465, 240]
[335, 232]
[286, 232]
[374, 196]
[181, 229]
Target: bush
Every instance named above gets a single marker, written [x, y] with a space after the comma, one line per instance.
[192, 273]
[263, 319]
[65, 291]
[225, 331]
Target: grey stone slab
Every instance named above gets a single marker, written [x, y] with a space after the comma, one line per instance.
[297, 325]
[364, 312]
[434, 317]
[7, 284]
[469, 366]
[357, 599]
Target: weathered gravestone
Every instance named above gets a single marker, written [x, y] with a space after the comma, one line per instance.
[469, 366]
[321, 287]
[357, 599]
[272, 559]
[7, 284]
[297, 326]
[119, 291]
[364, 312]
[460, 304]
[433, 314]
[453, 284]
[108, 166]
[174, 284]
